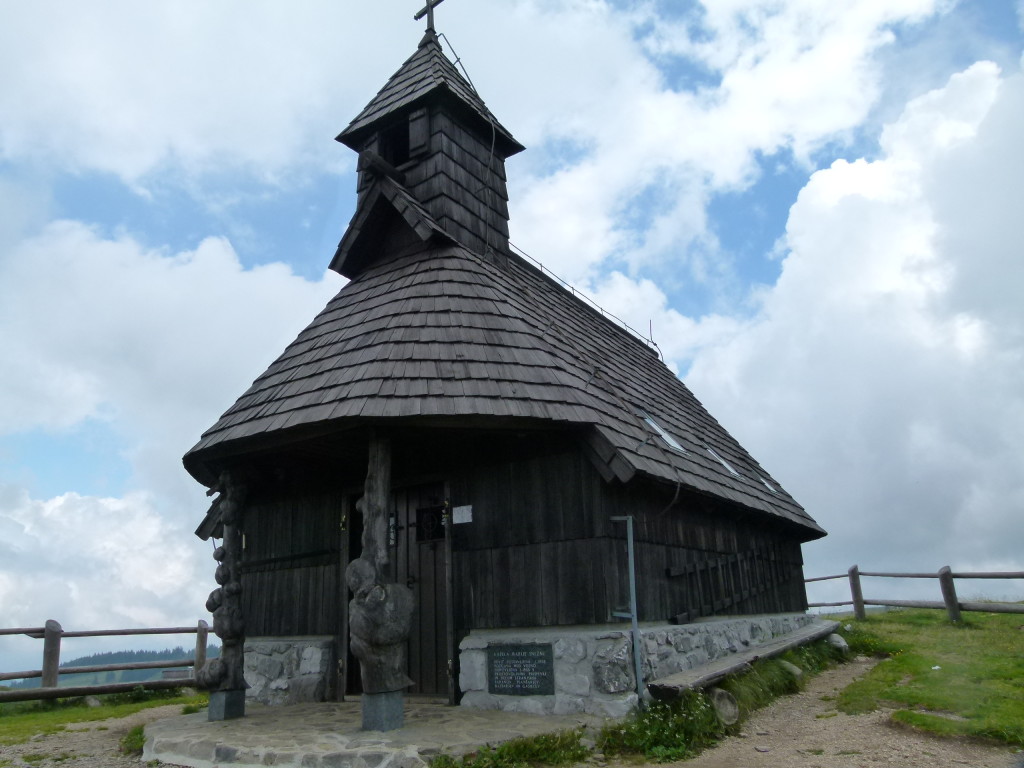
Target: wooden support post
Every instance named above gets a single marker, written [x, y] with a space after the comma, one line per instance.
[225, 677]
[449, 597]
[51, 653]
[376, 506]
[856, 594]
[199, 660]
[949, 593]
[380, 612]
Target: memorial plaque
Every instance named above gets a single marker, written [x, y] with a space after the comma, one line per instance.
[521, 670]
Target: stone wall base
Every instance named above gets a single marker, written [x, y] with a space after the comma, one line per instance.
[288, 670]
[593, 665]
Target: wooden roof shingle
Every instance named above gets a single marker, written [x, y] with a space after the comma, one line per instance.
[442, 331]
[431, 329]
[428, 73]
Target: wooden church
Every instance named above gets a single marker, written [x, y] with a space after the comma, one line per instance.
[520, 421]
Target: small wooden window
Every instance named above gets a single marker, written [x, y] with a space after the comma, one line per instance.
[419, 132]
[394, 144]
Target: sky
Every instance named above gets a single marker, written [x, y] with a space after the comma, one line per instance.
[815, 208]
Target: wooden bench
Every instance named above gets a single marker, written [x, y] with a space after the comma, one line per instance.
[710, 673]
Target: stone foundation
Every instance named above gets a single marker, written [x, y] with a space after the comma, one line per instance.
[593, 665]
[288, 670]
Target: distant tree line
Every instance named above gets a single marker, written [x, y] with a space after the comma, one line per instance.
[119, 676]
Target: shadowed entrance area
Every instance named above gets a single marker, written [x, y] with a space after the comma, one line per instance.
[328, 735]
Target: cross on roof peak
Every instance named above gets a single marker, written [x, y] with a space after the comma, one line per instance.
[428, 11]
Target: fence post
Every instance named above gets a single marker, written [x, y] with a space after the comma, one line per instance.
[949, 593]
[51, 653]
[856, 594]
[199, 660]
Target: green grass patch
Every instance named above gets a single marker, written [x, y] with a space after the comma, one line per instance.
[34, 758]
[770, 678]
[547, 749]
[20, 721]
[665, 731]
[133, 741]
[679, 729]
[963, 679]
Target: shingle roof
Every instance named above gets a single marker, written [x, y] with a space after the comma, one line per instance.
[426, 74]
[427, 329]
[442, 332]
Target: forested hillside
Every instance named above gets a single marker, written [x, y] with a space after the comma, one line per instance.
[120, 676]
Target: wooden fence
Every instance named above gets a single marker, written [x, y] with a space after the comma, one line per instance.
[52, 634]
[945, 576]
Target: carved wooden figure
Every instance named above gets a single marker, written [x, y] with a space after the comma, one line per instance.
[225, 676]
[380, 613]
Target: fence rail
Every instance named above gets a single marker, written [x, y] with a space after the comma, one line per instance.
[52, 633]
[945, 575]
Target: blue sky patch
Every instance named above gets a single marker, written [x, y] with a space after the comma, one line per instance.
[86, 459]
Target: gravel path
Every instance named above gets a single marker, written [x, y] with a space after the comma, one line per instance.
[803, 731]
[800, 731]
[84, 745]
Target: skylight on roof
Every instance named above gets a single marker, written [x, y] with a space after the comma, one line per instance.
[722, 461]
[768, 485]
[669, 440]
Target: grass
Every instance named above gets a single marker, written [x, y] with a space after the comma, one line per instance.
[32, 758]
[547, 749]
[664, 731]
[964, 679]
[133, 741]
[20, 721]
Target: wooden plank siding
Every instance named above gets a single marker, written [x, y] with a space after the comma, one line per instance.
[291, 575]
[541, 549]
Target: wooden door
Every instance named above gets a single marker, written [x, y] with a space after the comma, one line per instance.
[419, 549]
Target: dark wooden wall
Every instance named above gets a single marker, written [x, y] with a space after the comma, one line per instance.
[291, 569]
[541, 550]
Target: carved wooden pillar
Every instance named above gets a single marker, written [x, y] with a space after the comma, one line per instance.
[224, 677]
[380, 613]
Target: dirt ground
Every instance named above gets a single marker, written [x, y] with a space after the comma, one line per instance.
[84, 745]
[800, 731]
[803, 731]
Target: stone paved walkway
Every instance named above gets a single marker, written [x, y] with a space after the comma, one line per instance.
[328, 736]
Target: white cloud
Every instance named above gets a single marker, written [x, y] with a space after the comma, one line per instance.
[126, 88]
[260, 88]
[96, 327]
[788, 76]
[157, 344]
[881, 380]
[95, 563]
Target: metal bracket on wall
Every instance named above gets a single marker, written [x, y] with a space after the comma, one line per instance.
[631, 614]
